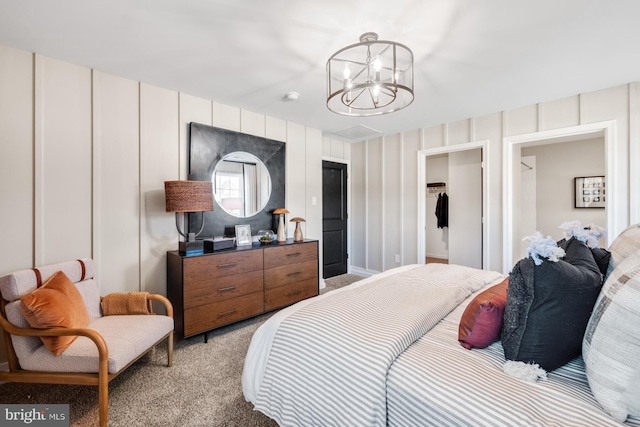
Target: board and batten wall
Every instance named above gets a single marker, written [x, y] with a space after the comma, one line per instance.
[385, 189]
[83, 160]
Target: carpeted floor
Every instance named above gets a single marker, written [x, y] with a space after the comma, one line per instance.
[202, 388]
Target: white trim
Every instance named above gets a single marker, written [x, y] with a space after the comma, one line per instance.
[634, 153]
[422, 197]
[605, 129]
[363, 272]
[348, 163]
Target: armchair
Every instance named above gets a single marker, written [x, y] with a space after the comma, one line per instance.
[101, 351]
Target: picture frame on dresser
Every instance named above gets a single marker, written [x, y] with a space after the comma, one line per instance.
[243, 235]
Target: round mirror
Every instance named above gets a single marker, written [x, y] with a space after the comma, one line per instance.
[241, 184]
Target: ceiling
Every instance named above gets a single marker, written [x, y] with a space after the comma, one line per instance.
[471, 57]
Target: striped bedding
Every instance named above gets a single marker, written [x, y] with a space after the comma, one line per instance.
[437, 382]
[335, 354]
[369, 355]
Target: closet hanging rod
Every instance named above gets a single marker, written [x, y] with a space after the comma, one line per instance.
[526, 165]
[436, 184]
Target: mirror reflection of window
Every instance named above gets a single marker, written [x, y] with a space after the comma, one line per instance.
[242, 185]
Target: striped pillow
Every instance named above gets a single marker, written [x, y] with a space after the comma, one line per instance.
[626, 243]
[611, 345]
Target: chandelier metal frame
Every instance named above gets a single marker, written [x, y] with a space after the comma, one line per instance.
[370, 78]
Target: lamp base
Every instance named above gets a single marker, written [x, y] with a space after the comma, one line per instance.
[195, 247]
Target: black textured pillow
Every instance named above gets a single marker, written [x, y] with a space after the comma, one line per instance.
[548, 307]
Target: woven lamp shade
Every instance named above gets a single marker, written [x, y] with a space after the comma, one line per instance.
[188, 196]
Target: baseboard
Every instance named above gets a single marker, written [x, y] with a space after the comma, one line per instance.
[439, 256]
[362, 272]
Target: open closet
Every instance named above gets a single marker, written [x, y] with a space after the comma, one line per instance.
[454, 208]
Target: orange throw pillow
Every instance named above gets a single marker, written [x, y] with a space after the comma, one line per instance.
[56, 304]
[481, 322]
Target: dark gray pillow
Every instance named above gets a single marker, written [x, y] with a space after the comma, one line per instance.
[600, 255]
[548, 307]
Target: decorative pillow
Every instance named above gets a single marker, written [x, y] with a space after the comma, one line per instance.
[600, 255]
[548, 307]
[56, 304]
[611, 346]
[625, 244]
[481, 322]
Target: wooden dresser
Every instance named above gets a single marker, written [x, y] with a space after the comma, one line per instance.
[215, 289]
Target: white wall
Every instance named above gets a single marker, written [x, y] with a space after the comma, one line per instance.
[620, 104]
[556, 167]
[83, 160]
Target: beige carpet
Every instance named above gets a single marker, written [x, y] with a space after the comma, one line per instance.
[202, 388]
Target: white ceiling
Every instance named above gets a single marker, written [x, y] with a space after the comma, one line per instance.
[472, 57]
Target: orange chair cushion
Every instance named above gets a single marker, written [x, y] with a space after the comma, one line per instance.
[56, 304]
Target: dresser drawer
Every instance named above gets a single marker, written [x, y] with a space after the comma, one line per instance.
[288, 294]
[220, 265]
[222, 288]
[290, 273]
[217, 314]
[290, 254]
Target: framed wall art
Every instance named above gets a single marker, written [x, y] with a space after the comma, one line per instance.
[590, 192]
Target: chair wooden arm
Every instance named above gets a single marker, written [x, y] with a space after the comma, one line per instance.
[165, 301]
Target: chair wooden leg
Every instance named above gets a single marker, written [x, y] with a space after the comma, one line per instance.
[170, 350]
[103, 394]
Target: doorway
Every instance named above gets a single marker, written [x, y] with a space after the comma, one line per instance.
[334, 219]
[470, 163]
[512, 180]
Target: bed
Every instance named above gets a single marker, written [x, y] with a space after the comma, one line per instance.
[384, 351]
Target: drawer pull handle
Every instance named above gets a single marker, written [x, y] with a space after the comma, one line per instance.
[230, 288]
[232, 264]
[297, 273]
[294, 293]
[294, 254]
[226, 313]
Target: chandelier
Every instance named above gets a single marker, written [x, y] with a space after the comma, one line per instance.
[370, 78]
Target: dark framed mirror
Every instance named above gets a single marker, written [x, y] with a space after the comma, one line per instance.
[250, 171]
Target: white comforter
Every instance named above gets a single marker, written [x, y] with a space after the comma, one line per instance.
[325, 360]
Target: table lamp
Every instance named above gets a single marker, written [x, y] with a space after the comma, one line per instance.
[184, 197]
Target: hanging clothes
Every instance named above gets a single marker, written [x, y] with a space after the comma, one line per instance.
[442, 210]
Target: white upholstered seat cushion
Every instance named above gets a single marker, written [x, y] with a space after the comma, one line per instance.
[127, 337]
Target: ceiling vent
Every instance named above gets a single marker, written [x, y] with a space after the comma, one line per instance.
[357, 133]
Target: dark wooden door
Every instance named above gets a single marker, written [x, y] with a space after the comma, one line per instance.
[334, 219]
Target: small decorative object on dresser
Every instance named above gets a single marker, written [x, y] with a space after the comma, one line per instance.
[243, 235]
[297, 234]
[265, 237]
[282, 230]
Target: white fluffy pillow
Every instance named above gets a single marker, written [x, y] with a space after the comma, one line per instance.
[611, 345]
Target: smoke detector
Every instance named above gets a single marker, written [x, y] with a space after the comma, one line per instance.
[291, 96]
